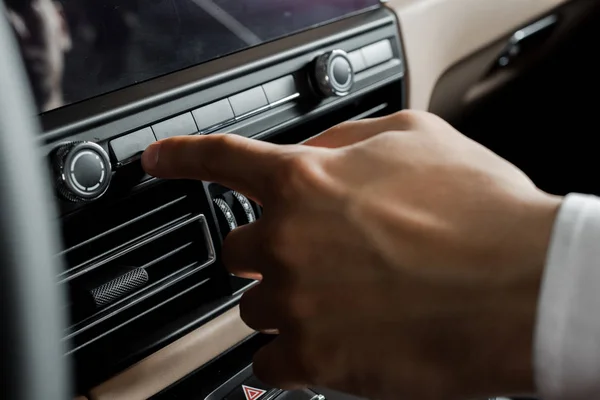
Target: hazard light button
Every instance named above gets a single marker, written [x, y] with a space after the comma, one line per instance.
[252, 389]
[252, 393]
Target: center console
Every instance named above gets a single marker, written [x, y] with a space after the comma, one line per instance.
[141, 255]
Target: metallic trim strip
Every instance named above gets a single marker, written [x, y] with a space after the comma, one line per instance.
[285, 100]
[172, 363]
[267, 107]
[530, 30]
[217, 127]
[252, 113]
[243, 117]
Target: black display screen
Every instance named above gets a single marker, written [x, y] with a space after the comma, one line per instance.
[78, 49]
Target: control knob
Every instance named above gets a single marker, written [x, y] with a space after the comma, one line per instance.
[333, 74]
[225, 217]
[243, 207]
[82, 171]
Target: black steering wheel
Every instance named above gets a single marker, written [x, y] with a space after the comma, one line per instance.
[33, 366]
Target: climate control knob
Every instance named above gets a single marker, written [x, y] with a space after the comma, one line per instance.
[225, 217]
[242, 207]
[333, 74]
[82, 171]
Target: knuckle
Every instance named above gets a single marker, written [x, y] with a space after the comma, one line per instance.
[415, 119]
[300, 174]
[215, 147]
[344, 126]
[340, 128]
[408, 118]
[220, 143]
[294, 169]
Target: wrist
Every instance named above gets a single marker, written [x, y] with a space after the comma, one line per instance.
[504, 337]
[515, 339]
[538, 224]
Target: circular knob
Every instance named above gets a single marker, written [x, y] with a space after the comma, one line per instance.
[242, 206]
[82, 171]
[225, 217]
[333, 74]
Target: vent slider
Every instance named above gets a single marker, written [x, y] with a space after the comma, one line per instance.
[119, 287]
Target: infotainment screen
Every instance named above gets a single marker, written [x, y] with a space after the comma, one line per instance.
[77, 49]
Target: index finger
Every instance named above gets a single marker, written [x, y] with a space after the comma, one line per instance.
[236, 162]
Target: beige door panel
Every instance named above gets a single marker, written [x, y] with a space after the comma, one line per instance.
[177, 360]
[470, 81]
[438, 34]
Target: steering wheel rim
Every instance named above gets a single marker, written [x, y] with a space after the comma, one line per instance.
[33, 365]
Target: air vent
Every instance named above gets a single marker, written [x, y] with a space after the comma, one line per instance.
[129, 259]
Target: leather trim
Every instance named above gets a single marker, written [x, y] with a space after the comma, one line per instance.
[174, 362]
[438, 34]
[470, 81]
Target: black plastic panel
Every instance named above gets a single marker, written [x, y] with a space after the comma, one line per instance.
[130, 109]
[132, 144]
[223, 94]
[215, 114]
[249, 101]
[180, 125]
[279, 89]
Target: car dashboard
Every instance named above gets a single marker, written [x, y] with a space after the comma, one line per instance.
[149, 301]
[152, 311]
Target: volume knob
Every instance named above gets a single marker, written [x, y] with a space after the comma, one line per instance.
[243, 207]
[225, 217]
[82, 171]
[333, 74]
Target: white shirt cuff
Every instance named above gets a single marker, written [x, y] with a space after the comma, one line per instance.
[567, 337]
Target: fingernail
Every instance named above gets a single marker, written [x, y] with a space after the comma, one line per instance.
[150, 156]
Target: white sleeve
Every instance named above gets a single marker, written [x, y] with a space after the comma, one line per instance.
[567, 337]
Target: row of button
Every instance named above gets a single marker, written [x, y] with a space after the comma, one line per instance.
[208, 118]
[371, 55]
[253, 389]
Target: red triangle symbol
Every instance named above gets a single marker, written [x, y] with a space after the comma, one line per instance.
[252, 393]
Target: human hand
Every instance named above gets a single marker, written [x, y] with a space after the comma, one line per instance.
[397, 258]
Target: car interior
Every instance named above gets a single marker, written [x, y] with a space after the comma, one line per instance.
[111, 281]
